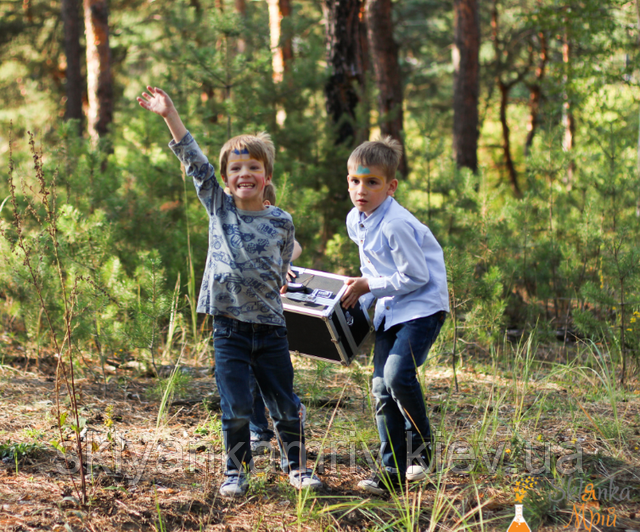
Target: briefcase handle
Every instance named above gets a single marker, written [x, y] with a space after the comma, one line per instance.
[298, 287]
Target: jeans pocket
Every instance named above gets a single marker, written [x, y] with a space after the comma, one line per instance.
[221, 332]
[281, 332]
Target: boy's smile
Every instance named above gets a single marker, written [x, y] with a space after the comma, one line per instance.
[246, 179]
[368, 187]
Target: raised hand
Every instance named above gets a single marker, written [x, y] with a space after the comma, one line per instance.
[157, 102]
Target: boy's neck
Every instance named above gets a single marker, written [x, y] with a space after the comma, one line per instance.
[249, 205]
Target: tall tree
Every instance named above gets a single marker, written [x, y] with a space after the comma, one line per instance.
[466, 84]
[638, 150]
[384, 53]
[99, 79]
[281, 46]
[241, 9]
[568, 122]
[509, 72]
[74, 83]
[535, 90]
[346, 65]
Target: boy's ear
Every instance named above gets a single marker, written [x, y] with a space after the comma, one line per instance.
[393, 186]
[267, 179]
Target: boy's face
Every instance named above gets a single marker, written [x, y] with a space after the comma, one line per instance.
[368, 187]
[246, 179]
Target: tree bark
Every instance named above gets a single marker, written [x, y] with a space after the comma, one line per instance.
[568, 122]
[638, 150]
[99, 81]
[384, 53]
[241, 9]
[281, 49]
[74, 85]
[535, 93]
[506, 141]
[504, 87]
[345, 62]
[466, 85]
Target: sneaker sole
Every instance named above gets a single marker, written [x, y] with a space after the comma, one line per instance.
[312, 487]
[415, 477]
[233, 495]
[371, 489]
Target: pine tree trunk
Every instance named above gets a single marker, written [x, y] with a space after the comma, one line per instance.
[567, 112]
[99, 82]
[466, 85]
[506, 140]
[72, 50]
[241, 9]
[281, 49]
[535, 93]
[638, 161]
[345, 62]
[504, 88]
[384, 52]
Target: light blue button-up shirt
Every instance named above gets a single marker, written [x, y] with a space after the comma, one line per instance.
[402, 261]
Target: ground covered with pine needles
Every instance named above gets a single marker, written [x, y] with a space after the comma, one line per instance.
[566, 430]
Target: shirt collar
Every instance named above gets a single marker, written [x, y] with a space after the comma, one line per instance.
[376, 216]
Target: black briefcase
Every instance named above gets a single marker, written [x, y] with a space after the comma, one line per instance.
[317, 325]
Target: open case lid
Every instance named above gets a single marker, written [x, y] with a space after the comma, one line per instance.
[314, 292]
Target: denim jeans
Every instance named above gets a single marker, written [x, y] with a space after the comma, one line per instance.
[401, 413]
[239, 347]
[258, 423]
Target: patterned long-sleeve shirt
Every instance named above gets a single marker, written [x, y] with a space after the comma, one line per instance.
[249, 251]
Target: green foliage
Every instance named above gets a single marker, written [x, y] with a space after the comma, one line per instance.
[177, 386]
[19, 451]
[132, 237]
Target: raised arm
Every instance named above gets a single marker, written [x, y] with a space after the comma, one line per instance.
[157, 101]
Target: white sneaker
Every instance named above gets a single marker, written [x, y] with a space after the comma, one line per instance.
[304, 478]
[415, 473]
[236, 485]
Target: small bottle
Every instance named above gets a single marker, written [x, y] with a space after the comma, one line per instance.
[519, 524]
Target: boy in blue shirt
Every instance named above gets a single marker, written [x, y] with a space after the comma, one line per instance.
[403, 267]
[250, 247]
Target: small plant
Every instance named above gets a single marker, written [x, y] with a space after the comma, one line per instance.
[177, 385]
[211, 427]
[17, 452]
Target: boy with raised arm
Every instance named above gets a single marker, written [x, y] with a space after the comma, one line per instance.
[250, 248]
[403, 267]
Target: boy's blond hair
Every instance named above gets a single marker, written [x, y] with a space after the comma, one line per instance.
[260, 148]
[269, 194]
[384, 152]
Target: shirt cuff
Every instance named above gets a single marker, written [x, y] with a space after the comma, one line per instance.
[377, 284]
[183, 142]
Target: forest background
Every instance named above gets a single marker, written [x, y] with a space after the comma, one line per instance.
[519, 122]
[521, 128]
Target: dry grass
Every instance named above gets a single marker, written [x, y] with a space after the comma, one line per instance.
[167, 479]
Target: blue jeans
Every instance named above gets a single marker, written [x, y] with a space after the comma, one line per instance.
[258, 423]
[401, 413]
[239, 347]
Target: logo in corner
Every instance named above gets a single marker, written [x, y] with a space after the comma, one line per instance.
[522, 486]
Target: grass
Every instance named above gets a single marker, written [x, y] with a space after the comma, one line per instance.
[496, 419]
